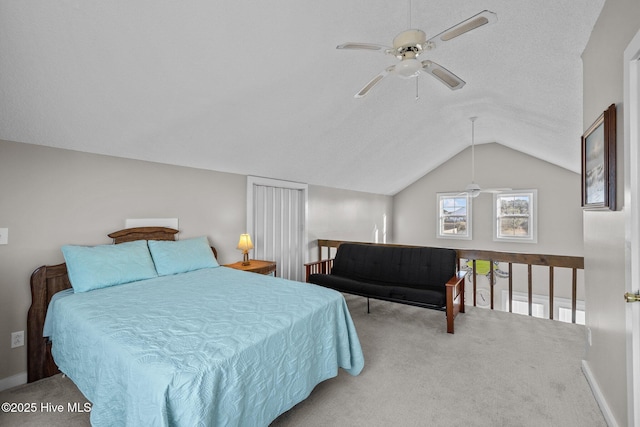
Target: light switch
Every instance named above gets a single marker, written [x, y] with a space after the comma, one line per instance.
[4, 236]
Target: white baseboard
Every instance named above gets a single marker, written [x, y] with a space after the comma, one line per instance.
[12, 381]
[597, 393]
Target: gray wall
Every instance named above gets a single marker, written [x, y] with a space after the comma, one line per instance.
[559, 211]
[50, 197]
[604, 232]
[348, 215]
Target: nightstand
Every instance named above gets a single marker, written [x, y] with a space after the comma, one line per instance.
[255, 266]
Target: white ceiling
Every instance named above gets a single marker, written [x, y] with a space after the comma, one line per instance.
[258, 88]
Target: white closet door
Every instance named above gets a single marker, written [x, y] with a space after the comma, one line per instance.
[276, 221]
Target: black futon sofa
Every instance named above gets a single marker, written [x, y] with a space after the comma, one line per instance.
[421, 276]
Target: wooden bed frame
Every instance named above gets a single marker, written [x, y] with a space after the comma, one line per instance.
[50, 279]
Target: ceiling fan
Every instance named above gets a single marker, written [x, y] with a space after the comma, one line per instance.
[474, 189]
[410, 44]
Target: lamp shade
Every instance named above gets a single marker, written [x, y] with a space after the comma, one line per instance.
[245, 243]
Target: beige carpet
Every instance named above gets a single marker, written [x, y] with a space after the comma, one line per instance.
[498, 369]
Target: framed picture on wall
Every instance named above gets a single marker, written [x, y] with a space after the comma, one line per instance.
[599, 162]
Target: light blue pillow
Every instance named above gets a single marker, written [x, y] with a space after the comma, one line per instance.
[95, 267]
[181, 256]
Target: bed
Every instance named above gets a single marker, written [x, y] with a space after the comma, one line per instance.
[207, 346]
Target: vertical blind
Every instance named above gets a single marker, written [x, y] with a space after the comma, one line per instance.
[278, 225]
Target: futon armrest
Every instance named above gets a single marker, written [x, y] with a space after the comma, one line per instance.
[455, 285]
[318, 267]
[455, 280]
[455, 297]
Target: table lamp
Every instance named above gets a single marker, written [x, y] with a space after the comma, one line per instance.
[245, 246]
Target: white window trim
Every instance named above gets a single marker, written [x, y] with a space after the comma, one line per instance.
[533, 223]
[469, 233]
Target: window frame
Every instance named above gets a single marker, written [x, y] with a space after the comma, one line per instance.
[532, 236]
[440, 234]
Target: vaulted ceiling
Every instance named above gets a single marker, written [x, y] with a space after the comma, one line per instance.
[259, 88]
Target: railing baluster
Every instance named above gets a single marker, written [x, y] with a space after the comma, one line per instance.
[510, 287]
[551, 292]
[491, 280]
[530, 288]
[574, 294]
[473, 263]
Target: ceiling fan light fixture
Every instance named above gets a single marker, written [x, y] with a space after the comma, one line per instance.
[408, 68]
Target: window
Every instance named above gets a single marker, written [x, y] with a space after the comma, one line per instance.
[454, 216]
[514, 216]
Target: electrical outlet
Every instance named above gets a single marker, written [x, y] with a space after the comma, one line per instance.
[17, 339]
[4, 236]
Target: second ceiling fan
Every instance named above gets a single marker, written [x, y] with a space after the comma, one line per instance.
[474, 189]
[410, 44]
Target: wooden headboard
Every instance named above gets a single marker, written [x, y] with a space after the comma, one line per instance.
[50, 279]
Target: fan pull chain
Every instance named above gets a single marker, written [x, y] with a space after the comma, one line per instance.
[417, 94]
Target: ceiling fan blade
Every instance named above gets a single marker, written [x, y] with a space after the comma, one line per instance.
[495, 190]
[475, 192]
[366, 46]
[449, 79]
[472, 190]
[481, 19]
[374, 82]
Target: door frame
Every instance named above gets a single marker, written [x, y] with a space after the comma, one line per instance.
[632, 221]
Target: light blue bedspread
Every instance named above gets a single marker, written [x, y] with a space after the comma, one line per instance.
[213, 347]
